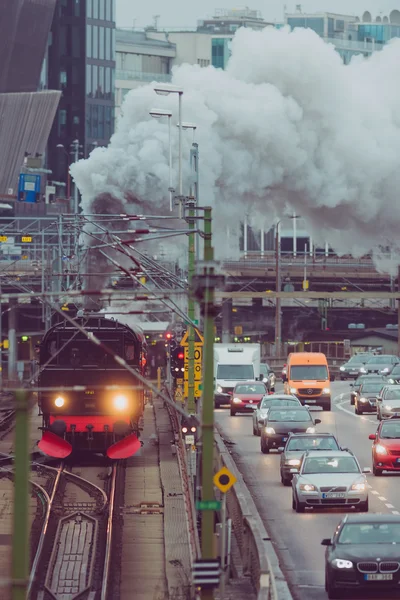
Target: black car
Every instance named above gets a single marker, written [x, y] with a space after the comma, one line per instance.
[281, 422]
[363, 554]
[366, 397]
[351, 369]
[364, 379]
[382, 364]
[297, 445]
[394, 376]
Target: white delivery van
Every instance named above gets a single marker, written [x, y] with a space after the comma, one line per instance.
[234, 363]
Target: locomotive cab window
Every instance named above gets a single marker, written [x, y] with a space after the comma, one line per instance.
[129, 352]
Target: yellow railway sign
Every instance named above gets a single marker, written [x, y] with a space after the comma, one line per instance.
[224, 480]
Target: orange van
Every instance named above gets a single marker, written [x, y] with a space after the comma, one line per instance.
[308, 378]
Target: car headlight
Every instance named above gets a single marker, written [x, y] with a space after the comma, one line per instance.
[342, 368]
[219, 389]
[293, 462]
[363, 370]
[340, 563]
[391, 381]
[310, 430]
[388, 407]
[379, 449]
[326, 391]
[385, 370]
[269, 430]
[120, 402]
[293, 390]
[363, 400]
[263, 415]
[59, 401]
[307, 487]
[358, 487]
[237, 401]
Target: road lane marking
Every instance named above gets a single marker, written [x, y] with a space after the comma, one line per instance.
[389, 506]
[353, 414]
[395, 512]
[382, 498]
[374, 492]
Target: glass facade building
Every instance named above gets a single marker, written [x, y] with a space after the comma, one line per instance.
[81, 63]
[220, 52]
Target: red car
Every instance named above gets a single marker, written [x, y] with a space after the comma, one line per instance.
[386, 446]
[246, 396]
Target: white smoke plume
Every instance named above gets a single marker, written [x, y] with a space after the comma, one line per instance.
[287, 127]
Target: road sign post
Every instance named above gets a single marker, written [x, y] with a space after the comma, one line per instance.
[223, 480]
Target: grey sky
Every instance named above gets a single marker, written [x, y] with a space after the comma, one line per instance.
[184, 13]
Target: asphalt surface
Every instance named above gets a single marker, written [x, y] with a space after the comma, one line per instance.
[297, 537]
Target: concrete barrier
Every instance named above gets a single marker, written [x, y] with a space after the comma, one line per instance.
[260, 561]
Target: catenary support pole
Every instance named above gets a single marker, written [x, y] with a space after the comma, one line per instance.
[207, 518]
[398, 313]
[223, 549]
[20, 549]
[12, 341]
[191, 405]
[278, 325]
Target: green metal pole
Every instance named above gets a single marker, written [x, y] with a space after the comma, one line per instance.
[208, 516]
[20, 549]
[191, 406]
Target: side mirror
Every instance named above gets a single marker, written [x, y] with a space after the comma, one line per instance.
[294, 471]
[352, 385]
[366, 470]
[326, 542]
[372, 436]
[317, 421]
[281, 449]
[331, 377]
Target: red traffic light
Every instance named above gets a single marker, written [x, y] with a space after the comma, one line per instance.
[168, 336]
[181, 356]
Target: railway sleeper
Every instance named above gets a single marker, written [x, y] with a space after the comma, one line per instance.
[144, 508]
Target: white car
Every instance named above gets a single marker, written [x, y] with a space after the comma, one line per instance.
[329, 480]
[261, 412]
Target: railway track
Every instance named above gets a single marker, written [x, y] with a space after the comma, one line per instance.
[73, 546]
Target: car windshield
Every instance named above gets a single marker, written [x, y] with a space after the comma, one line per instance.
[390, 431]
[370, 533]
[255, 388]
[365, 379]
[289, 415]
[357, 360]
[372, 388]
[268, 402]
[233, 372]
[392, 394]
[304, 443]
[264, 369]
[301, 372]
[334, 464]
[396, 371]
[380, 360]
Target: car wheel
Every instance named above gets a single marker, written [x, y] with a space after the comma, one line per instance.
[327, 406]
[264, 446]
[357, 412]
[233, 413]
[285, 481]
[293, 502]
[300, 507]
[352, 400]
[377, 472]
[273, 389]
[379, 417]
[254, 430]
[332, 591]
[363, 506]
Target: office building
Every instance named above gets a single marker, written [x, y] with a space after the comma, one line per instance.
[81, 63]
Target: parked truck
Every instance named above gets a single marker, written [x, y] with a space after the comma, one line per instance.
[234, 363]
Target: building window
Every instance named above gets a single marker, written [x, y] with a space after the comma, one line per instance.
[112, 44]
[101, 43]
[63, 80]
[101, 123]
[63, 41]
[89, 8]
[108, 43]
[95, 41]
[88, 120]
[76, 42]
[89, 41]
[77, 8]
[101, 82]
[95, 121]
[102, 10]
[95, 9]
[62, 122]
[89, 81]
[107, 122]
[107, 83]
[113, 10]
[112, 83]
[95, 80]
[108, 10]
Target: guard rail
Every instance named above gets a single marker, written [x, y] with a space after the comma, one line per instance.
[258, 555]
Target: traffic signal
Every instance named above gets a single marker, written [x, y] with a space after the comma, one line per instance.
[189, 427]
[169, 336]
[177, 362]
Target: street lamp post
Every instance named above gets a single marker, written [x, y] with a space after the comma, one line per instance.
[278, 321]
[75, 150]
[165, 91]
[157, 113]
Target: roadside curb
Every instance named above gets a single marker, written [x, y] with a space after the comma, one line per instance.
[268, 579]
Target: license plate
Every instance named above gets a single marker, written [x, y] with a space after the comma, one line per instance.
[378, 576]
[398, 461]
[251, 405]
[310, 401]
[284, 439]
[333, 495]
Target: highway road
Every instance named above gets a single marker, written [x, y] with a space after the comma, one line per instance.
[297, 537]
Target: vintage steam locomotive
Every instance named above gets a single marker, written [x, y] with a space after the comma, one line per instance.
[96, 416]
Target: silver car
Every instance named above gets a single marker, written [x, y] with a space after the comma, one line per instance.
[261, 412]
[329, 480]
[388, 402]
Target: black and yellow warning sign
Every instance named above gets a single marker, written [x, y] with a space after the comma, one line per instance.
[224, 480]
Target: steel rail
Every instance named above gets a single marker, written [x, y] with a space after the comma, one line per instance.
[109, 536]
[39, 551]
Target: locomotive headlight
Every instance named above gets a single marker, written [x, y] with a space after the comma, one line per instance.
[59, 401]
[120, 402]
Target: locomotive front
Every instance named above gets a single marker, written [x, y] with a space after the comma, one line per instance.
[92, 402]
